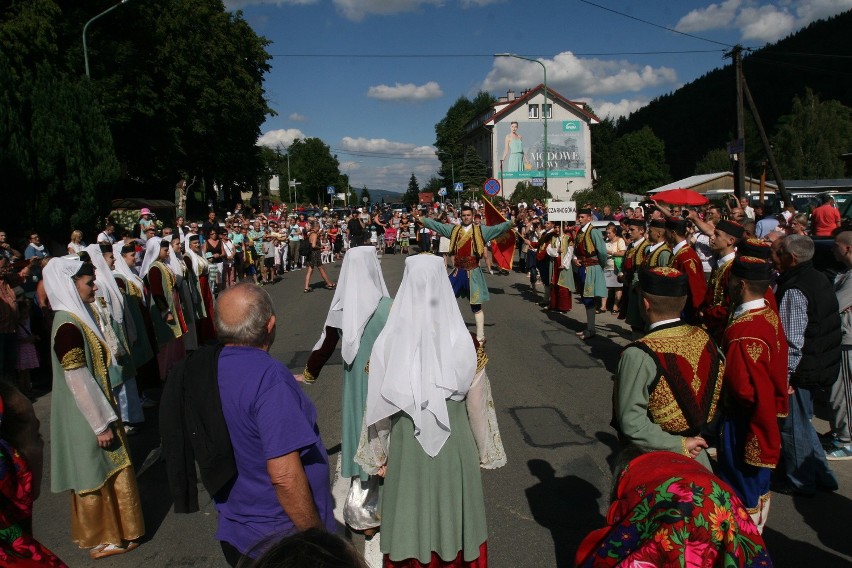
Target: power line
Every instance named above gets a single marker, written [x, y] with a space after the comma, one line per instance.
[655, 25]
[384, 155]
[482, 55]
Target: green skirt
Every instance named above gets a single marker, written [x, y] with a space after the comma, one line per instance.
[433, 504]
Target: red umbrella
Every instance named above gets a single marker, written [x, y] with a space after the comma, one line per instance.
[681, 197]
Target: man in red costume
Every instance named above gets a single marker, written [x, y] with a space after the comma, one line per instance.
[686, 260]
[717, 301]
[755, 387]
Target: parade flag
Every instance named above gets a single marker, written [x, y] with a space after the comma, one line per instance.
[503, 247]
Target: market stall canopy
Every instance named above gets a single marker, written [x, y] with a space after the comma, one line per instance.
[681, 197]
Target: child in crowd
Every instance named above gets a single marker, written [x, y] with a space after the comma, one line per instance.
[325, 248]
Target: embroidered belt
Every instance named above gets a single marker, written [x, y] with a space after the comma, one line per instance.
[466, 262]
[588, 261]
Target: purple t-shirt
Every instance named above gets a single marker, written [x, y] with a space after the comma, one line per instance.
[268, 416]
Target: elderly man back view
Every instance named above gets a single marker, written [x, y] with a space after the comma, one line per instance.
[279, 477]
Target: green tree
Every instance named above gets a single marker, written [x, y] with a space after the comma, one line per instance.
[313, 164]
[638, 163]
[473, 171]
[525, 191]
[434, 186]
[809, 141]
[601, 195]
[604, 136]
[450, 129]
[717, 160]
[411, 196]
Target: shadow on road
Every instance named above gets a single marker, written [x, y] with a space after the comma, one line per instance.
[785, 551]
[566, 506]
[151, 477]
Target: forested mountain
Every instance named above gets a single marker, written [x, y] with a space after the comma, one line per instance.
[701, 116]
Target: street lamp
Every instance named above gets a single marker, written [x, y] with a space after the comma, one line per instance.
[544, 108]
[85, 49]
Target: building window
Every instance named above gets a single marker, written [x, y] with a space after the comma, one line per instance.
[547, 111]
[532, 111]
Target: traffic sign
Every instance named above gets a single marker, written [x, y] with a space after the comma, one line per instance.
[459, 187]
[537, 182]
[492, 186]
[330, 190]
[442, 192]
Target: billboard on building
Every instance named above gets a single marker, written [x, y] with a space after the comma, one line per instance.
[520, 149]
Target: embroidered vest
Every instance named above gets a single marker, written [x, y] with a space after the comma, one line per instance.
[653, 259]
[685, 395]
[586, 245]
[467, 243]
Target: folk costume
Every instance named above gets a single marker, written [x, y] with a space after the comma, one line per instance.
[717, 301]
[685, 259]
[755, 395]
[116, 325]
[633, 259]
[667, 510]
[179, 268]
[164, 302]
[357, 315]
[467, 246]
[105, 506]
[198, 269]
[561, 253]
[590, 258]
[668, 383]
[427, 376]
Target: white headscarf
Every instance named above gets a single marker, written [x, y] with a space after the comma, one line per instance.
[152, 253]
[107, 288]
[175, 263]
[199, 263]
[124, 270]
[62, 290]
[360, 286]
[423, 356]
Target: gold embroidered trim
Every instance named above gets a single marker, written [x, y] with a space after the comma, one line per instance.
[761, 504]
[481, 358]
[100, 358]
[74, 359]
[459, 238]
[718, 283]
[664, 409]
[308, 376]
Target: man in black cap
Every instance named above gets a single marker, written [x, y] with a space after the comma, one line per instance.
[755, 384]
[633, 259]
[685, 259]
[668, 383]
[658, 252]
[589, 258]
[717, 301]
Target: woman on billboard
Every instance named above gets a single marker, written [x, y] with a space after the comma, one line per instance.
[514, 150]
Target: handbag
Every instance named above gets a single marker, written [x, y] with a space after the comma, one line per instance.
[361, 510]
[527, 165]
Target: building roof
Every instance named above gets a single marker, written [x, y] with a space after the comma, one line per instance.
[695, 181]
[818, 184]
[553, 95]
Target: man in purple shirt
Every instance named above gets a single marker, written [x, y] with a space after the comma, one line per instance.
[282, 483]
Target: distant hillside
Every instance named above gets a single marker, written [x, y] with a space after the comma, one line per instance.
[701, 115]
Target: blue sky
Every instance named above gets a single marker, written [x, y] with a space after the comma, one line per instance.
[372, 77]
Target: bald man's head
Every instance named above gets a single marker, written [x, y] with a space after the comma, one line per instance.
[244, 316]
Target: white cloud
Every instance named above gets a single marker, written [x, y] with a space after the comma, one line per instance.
[766, 23]
[281, 137]
[576, 77]
[761, 22]
[356, 10]
[712, 17]
[296, 117]
[606, 109]
[383, 146]
[408, 92]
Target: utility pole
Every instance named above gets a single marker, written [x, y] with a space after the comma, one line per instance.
[739, 175]
[767, 147]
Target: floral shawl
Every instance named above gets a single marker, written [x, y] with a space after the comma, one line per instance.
[669, 510]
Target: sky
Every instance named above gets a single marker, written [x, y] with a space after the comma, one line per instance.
[371, 78]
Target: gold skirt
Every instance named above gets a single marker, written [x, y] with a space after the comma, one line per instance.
[110, 515]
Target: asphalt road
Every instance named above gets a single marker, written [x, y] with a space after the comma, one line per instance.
[553, 398]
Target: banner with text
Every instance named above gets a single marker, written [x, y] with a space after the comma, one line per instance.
[561, 210]
[522, 152]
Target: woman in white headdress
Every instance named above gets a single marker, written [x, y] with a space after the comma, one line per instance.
[88, 446]
[427, 376]
[164, 305]
[119, 331]
[178, 267]
[198, 270]
[355, 318]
